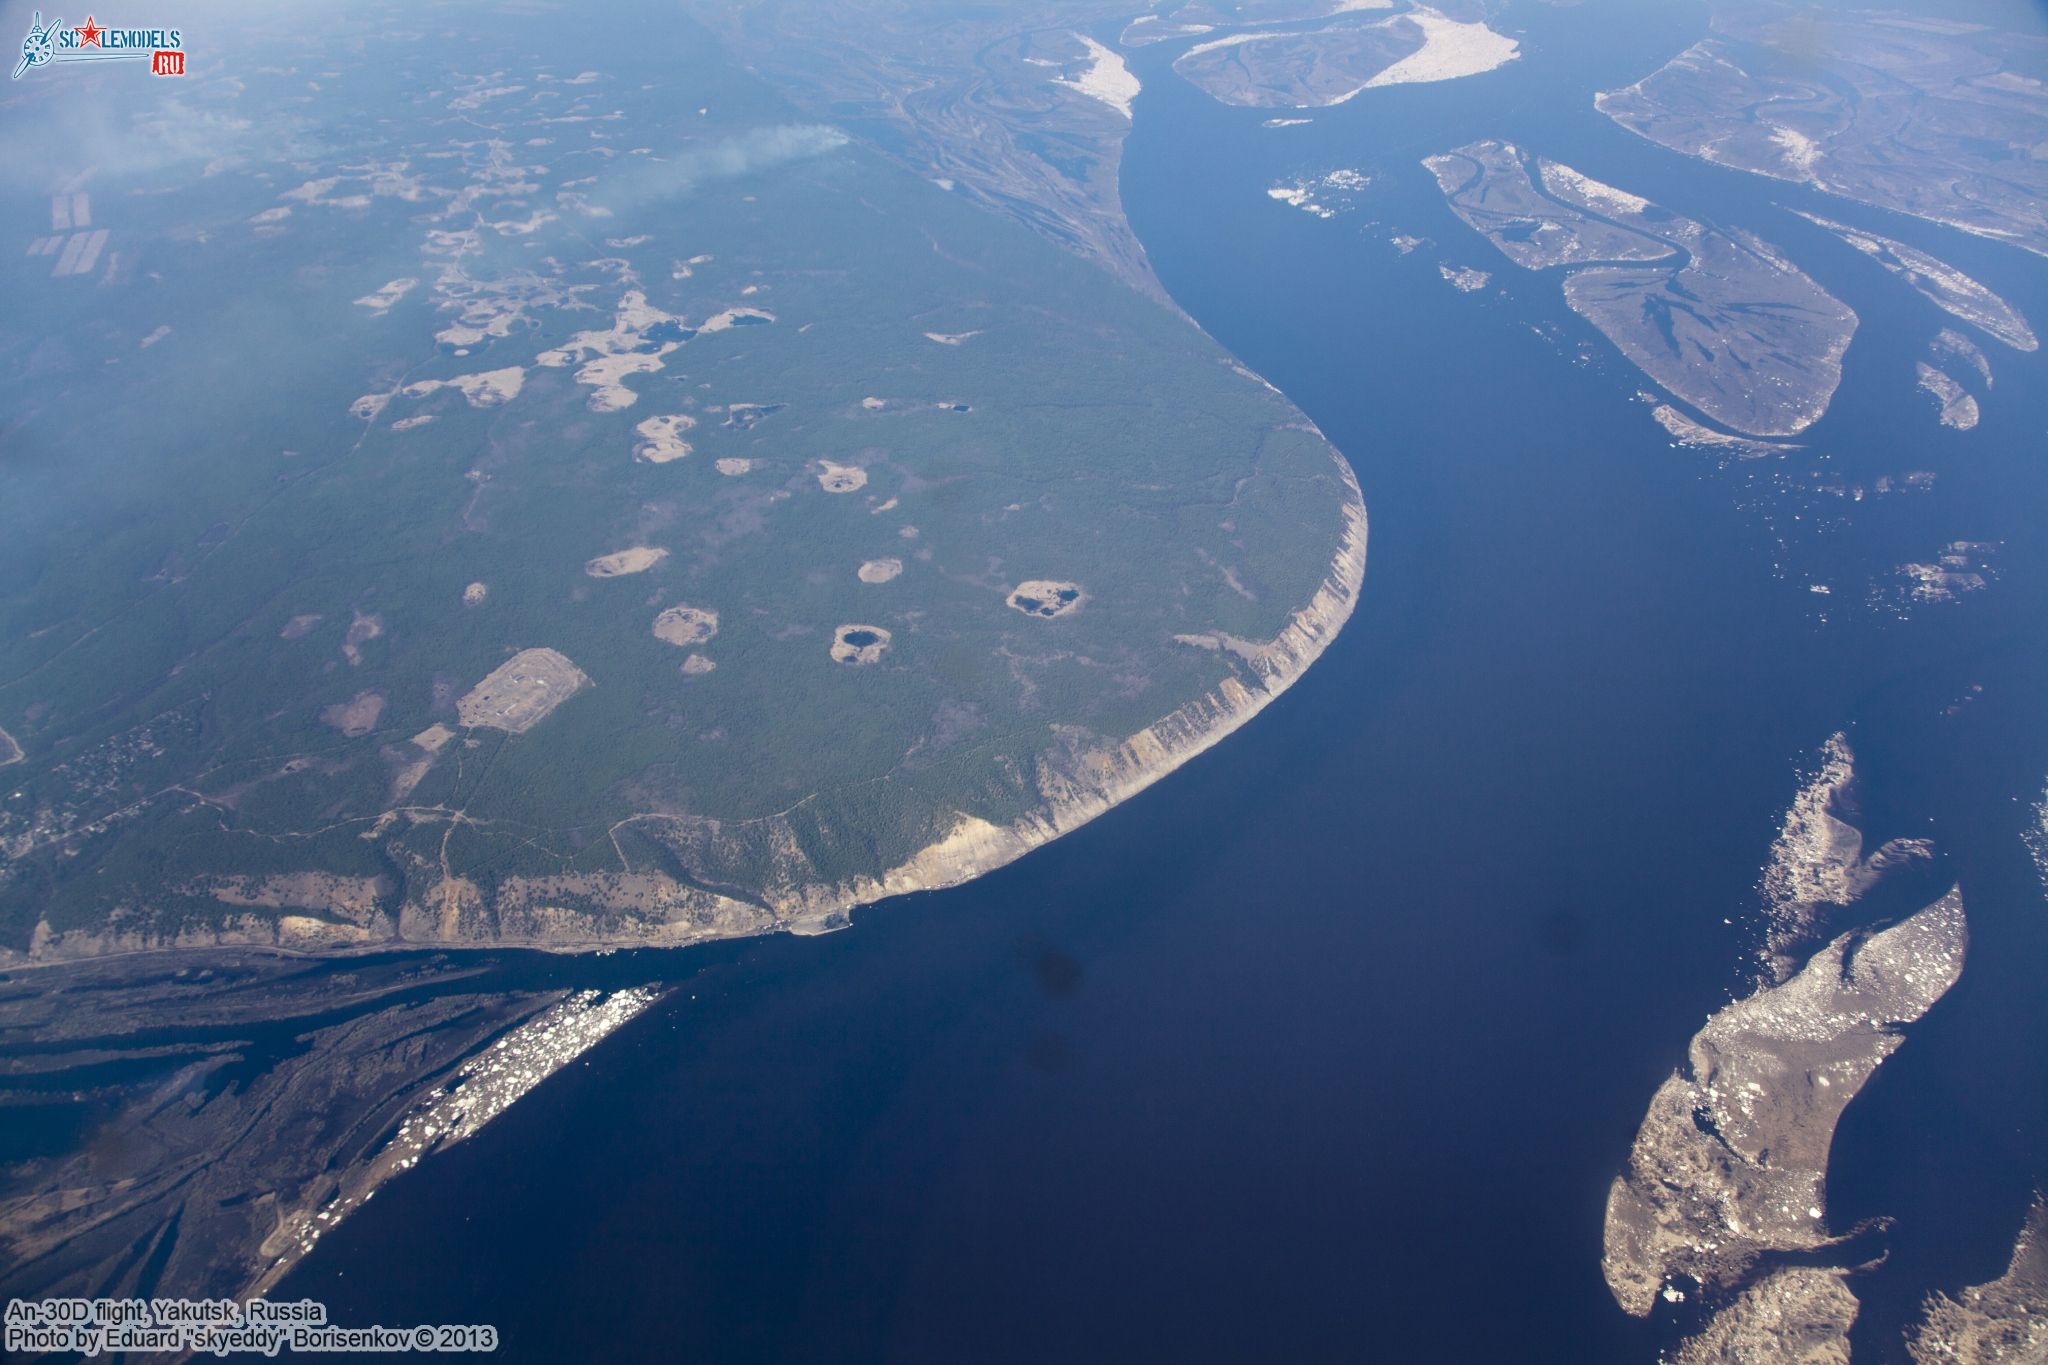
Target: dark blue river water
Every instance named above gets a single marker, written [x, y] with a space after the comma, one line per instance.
[1327, 1047]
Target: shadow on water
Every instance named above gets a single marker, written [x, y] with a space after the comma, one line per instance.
[1328, 1047]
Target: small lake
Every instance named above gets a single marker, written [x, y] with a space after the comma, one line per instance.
[1327, 1047]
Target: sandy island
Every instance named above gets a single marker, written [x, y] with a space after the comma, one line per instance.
[1107, 78]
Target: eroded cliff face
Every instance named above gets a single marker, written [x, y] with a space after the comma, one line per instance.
[731, 879]
[1088, 776]
[1079, 778]
[1731, 1161]
[255, 1173]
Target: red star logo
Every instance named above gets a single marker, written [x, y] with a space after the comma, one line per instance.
[89, 35]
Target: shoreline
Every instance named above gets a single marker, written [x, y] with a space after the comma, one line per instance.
[1076, 791]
